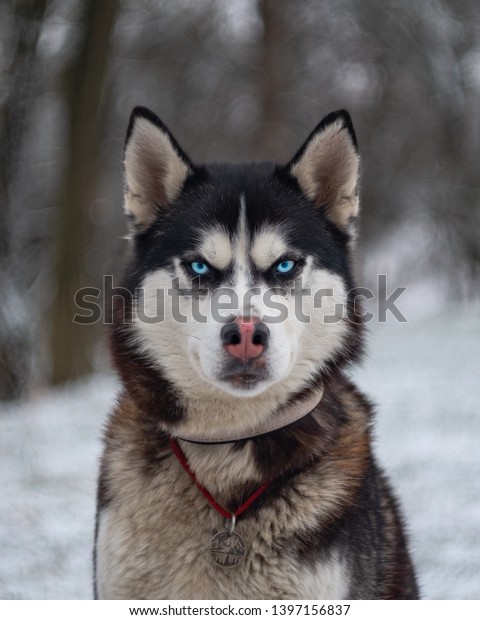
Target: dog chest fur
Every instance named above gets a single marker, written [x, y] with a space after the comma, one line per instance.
[154, 534]
[154, 526]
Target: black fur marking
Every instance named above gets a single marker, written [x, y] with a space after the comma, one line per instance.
[211, 198]
[373, 545]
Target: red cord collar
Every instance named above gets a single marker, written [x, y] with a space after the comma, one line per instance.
[182, 459]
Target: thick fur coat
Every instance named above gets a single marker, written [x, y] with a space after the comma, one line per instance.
[327, 526]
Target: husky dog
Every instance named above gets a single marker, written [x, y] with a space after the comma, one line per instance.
[237, 462]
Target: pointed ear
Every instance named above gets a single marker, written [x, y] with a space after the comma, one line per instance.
[327, 168]
[155, 168]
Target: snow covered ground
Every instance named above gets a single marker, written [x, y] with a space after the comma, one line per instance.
[424, 377]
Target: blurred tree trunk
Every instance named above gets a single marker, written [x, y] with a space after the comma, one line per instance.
[72, 345]
[274, 80]
[15, 335]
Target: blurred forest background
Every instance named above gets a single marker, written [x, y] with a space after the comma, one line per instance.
[236, 80]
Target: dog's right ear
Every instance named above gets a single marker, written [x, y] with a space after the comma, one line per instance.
[155, 168]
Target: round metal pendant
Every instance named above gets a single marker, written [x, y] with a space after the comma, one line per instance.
[228, 549]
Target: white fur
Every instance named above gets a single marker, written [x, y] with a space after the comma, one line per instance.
[162, 550]
[328, 580]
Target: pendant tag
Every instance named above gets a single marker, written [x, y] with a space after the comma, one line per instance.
[228, 548]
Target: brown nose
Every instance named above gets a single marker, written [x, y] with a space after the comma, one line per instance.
[245, 338]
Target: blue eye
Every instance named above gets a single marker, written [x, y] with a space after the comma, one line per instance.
[285, 266]
[200, 268]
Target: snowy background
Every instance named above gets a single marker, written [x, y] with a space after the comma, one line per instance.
[424, 377]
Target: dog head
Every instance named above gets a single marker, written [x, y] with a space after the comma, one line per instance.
[240, 274]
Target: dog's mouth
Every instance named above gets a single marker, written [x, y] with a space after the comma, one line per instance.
[245, 376]
[244, 380]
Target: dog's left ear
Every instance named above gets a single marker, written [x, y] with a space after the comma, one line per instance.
[155, 168]
[327, 168]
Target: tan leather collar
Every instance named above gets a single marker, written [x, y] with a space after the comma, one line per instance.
[288, 414]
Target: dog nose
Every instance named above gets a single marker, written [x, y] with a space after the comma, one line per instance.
[245, 339]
